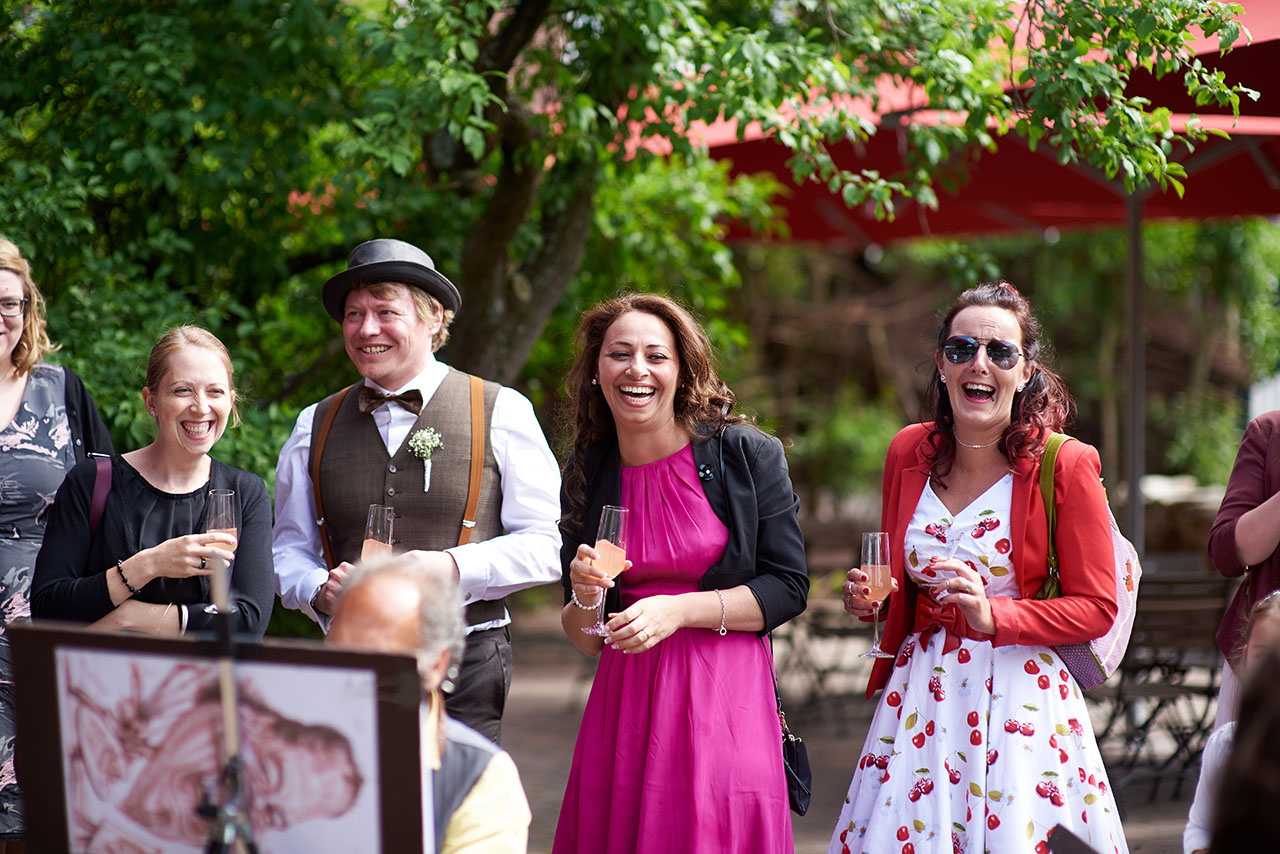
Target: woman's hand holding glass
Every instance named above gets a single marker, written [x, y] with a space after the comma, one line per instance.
[589, 581]
[857, 595]
[966, 591]
[181, 557]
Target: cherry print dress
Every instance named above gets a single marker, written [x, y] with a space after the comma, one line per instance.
[980, 749]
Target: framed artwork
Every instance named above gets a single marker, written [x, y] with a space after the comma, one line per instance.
[120, 741]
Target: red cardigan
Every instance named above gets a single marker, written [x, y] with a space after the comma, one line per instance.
[1087, 607]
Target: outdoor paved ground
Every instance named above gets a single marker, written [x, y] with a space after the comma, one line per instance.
[550, 686]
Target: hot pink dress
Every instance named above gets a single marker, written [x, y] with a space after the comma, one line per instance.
[679, 748]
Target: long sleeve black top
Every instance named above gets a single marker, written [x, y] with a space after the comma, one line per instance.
[70, 580]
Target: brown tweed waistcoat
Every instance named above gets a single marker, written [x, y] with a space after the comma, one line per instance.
[356, 471]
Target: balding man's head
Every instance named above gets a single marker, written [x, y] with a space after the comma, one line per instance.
[401, 606]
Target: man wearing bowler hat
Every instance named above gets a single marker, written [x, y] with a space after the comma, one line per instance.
[462, 461]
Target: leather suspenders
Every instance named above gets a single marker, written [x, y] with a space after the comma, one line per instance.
[477, 460]
[473, 487]
[332, 412]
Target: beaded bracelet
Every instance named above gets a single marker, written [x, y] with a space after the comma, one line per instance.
[573, 597]
[133, 591]
[723, 614]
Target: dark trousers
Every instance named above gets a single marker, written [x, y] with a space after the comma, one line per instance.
[480, 691]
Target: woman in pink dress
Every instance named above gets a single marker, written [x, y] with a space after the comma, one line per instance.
[981, 740]
[680, 747]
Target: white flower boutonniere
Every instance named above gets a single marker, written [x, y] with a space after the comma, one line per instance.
[422, 444]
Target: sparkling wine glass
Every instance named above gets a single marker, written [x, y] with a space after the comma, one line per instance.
[875, 563]
[221, 517]
[611, 545]
[377, 533]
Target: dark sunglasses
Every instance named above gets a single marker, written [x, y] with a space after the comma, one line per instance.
[961, 348]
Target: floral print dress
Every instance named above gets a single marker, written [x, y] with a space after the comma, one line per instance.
[983, 748]
[35, 454]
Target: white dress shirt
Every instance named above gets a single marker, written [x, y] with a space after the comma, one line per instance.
[1196, 835]
[526, 555]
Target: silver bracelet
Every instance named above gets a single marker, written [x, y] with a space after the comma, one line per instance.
[573, 597]
[182, 619]
[723, 614]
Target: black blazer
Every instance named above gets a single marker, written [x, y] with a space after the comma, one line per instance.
[744, 474]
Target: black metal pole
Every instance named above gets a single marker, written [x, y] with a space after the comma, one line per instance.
[1136, 399]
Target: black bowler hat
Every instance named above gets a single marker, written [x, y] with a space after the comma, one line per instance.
[387, 260]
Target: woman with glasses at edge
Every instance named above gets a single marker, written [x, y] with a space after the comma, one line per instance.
[48, 423]
[981, 738]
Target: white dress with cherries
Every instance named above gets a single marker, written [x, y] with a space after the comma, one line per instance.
[981, 749]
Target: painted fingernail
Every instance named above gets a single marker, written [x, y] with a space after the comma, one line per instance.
[866, 591]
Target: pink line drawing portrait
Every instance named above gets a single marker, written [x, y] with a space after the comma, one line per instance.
[142, 747]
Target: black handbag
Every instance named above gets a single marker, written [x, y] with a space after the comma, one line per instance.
[795, 758]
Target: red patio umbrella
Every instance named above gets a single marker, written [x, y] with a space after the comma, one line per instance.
[1016, 189]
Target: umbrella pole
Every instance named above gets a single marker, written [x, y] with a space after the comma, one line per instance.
[1135, 400]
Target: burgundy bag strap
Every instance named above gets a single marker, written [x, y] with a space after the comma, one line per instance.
[101, 486]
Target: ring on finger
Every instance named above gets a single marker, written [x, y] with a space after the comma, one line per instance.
[203, 563]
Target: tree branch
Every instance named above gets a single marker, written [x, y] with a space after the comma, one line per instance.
[443, 153]
[519, 28]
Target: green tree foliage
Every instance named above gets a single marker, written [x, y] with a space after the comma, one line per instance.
[213, 162]
[232, 153]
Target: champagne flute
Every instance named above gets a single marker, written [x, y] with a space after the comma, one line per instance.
[875, 563]
[221, 517]
[611, 545]
[377, 533]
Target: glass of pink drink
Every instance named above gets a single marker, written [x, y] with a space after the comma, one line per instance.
[875, 563]
[221, 516]
[377, 533]
[611, 545]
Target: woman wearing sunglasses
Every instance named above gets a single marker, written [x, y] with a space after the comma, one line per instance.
[982, 737]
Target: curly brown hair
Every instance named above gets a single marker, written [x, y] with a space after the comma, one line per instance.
[1042, 407]
[703, 403]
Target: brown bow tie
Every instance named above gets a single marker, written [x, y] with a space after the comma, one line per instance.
[370, 399]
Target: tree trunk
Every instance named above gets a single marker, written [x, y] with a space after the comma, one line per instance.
[504, 312]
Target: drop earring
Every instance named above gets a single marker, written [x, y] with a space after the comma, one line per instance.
[595, 381]
[1021, 386]
[942, 378]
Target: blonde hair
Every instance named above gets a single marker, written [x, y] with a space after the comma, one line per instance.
[427, 307]
[34, 342]
[1265, 608]
[189, 336]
